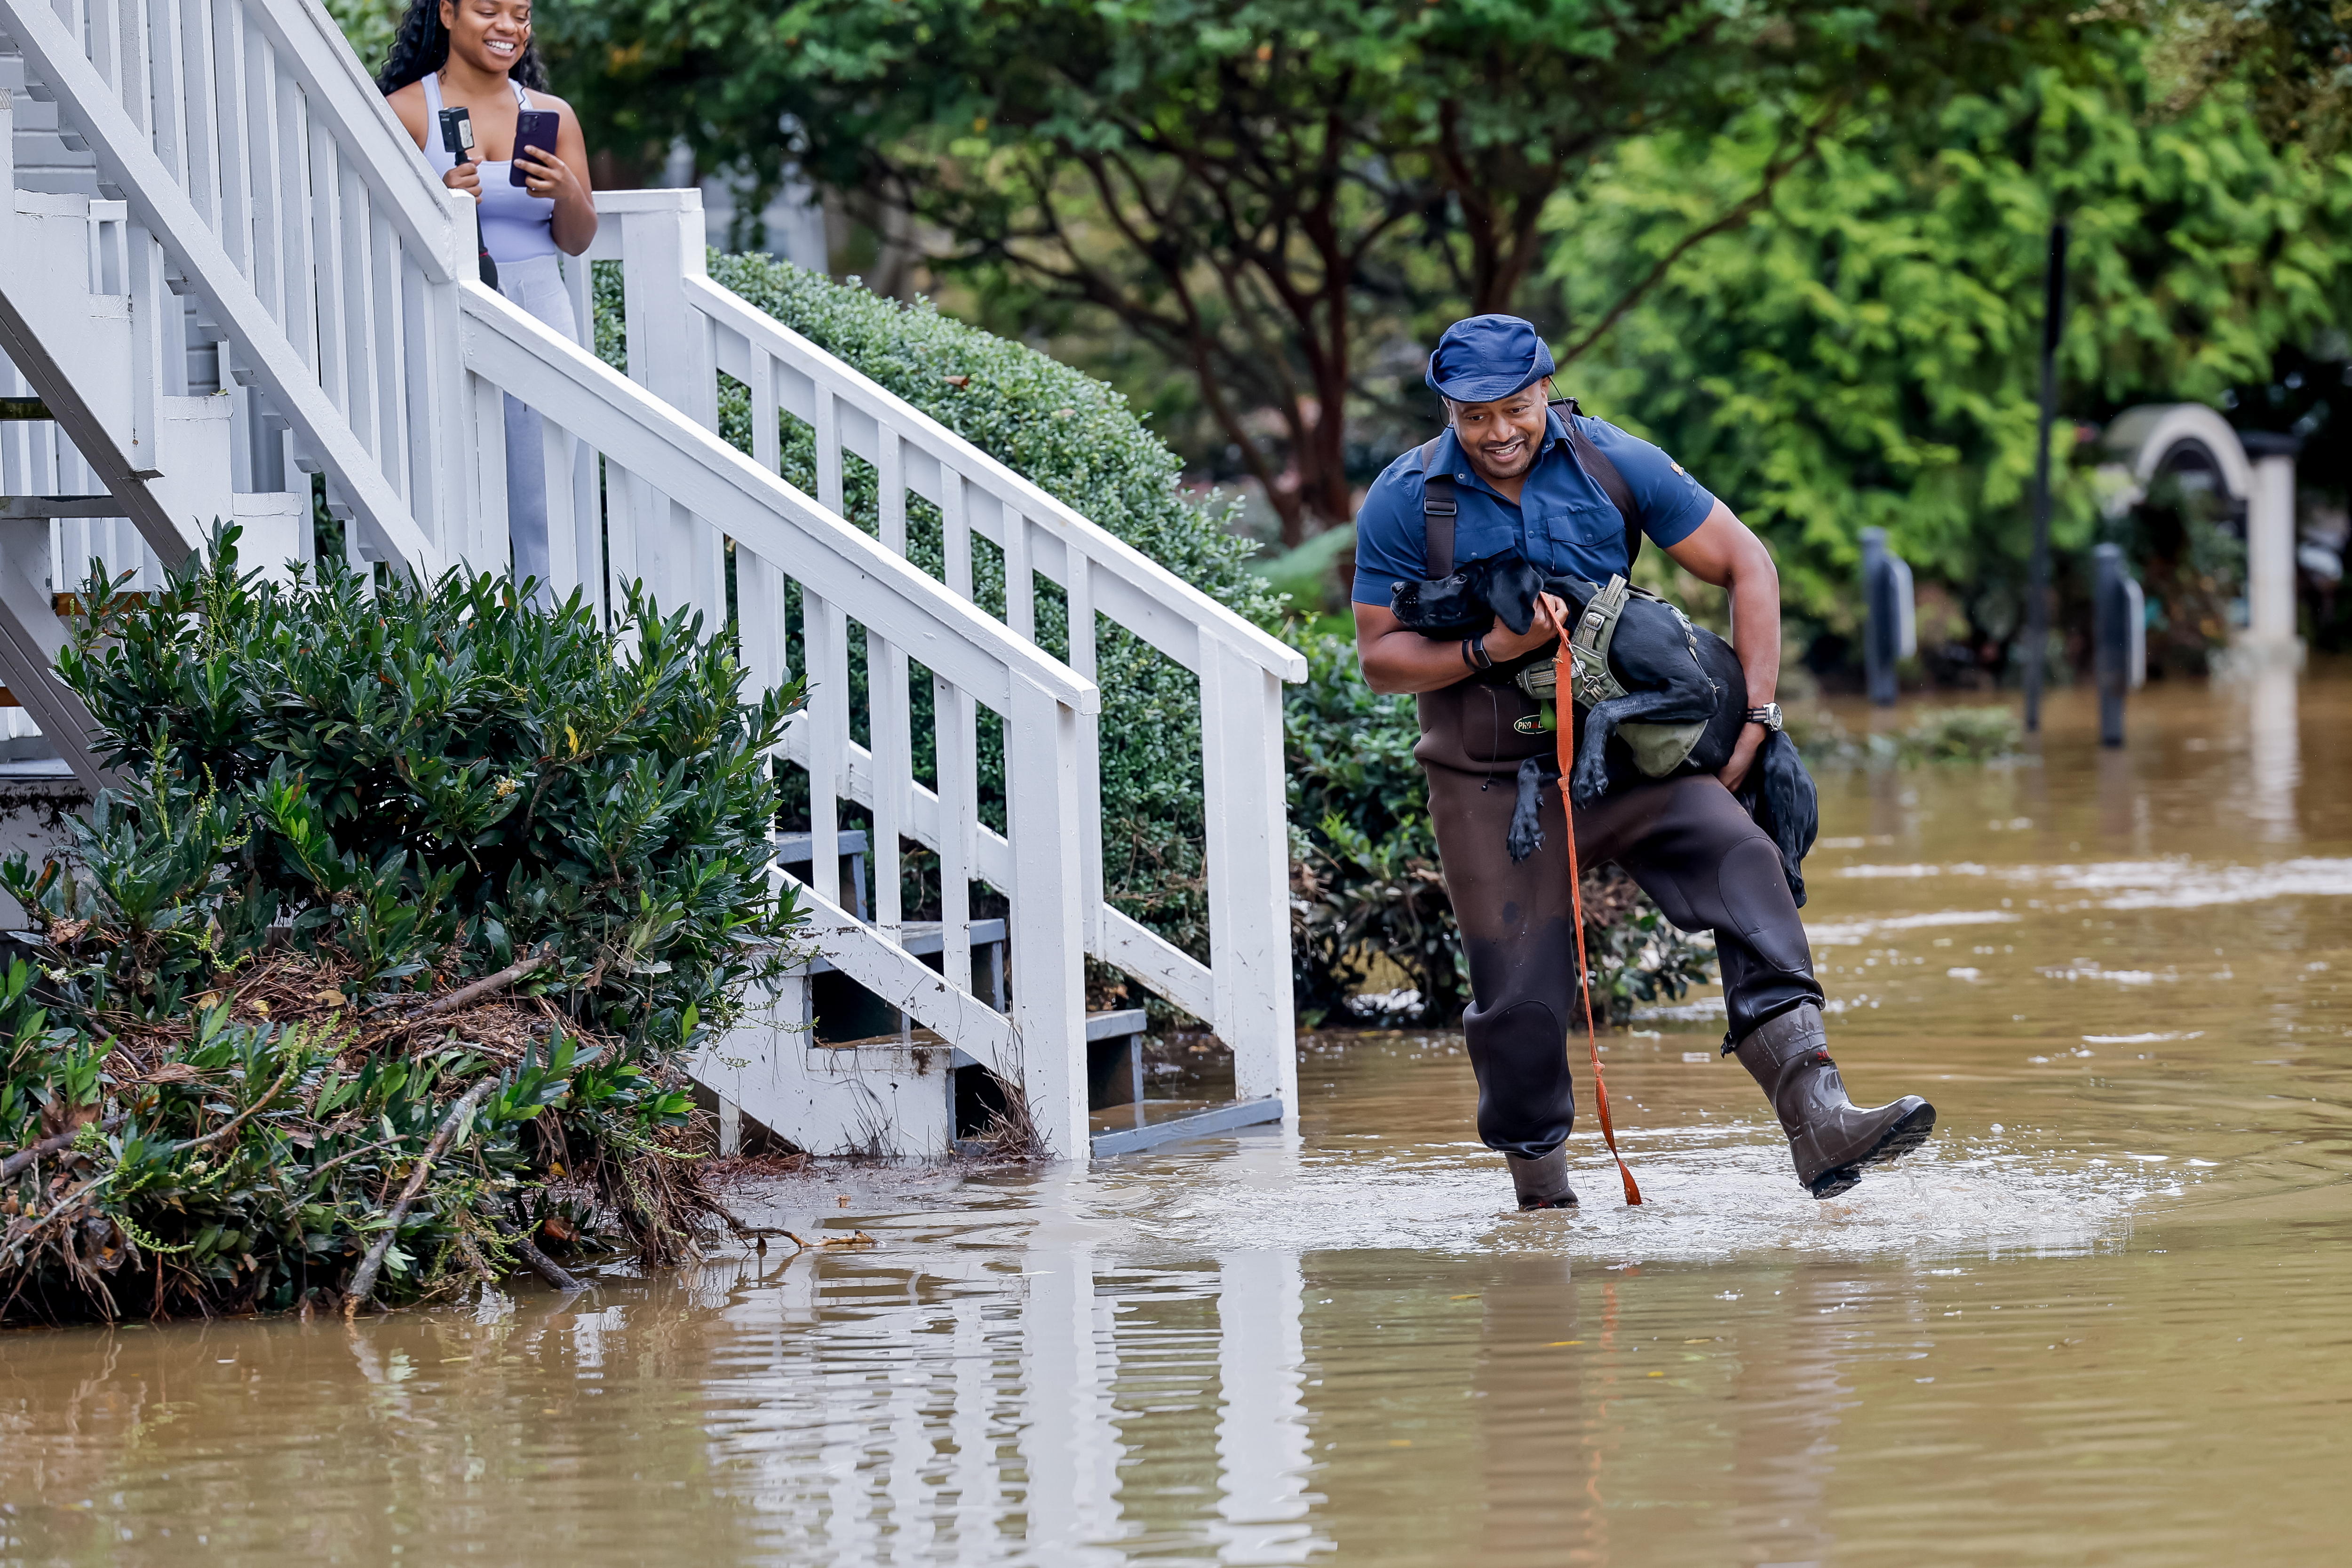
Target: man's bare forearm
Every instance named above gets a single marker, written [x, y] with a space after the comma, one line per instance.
[1756, 628]
[1407, 662]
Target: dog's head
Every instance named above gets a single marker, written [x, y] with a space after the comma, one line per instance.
[1469, 602]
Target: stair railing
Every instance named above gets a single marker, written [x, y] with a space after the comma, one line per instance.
[684, 330]
[674, 496]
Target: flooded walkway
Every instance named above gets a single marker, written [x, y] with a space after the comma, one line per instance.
[2102, 1318]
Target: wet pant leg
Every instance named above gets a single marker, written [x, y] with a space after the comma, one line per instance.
[1691, 848]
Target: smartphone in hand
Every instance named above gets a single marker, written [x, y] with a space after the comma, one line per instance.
[533, 128]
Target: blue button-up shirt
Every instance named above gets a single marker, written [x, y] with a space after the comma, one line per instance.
[1563, 523]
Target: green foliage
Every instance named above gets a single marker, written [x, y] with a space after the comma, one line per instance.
[337, 804]
[1865, 353]
[1075, 439]
[1278, 196]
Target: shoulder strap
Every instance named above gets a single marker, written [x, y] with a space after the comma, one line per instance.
[522, 94]
[1438, 506]
[1604, 473]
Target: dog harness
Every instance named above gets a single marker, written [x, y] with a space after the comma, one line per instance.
[1658, 749]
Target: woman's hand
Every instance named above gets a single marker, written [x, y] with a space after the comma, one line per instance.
[465, 177]
[545, 174]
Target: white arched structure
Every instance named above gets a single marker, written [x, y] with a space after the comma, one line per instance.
[2189, 436]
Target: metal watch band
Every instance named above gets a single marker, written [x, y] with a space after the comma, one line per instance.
[1767, 715]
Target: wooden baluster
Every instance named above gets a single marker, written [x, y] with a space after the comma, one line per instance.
[104, 39]
[299, 321]
[953, 731]
[588, 527]
[203, 85]
[135, 87]
[892, 757]
[955, 522]
[331, 277]
[490, 460]
[232, 124]
[164, 82]
[826, 631]
[760, 607]
[390, 335]
[562, 542]
[266, 175]
[620, 533]
[359, 323]
[766, 430]
[891, 476]
[1020, 578]
[1080, 585]
[828, 451]
[1041, 800]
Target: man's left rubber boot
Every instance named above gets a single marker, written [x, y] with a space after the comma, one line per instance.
[1542, 1182]
[1832, 1139]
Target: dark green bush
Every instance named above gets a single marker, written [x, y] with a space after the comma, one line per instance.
[340, 805]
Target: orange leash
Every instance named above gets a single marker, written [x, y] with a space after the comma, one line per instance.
[1564, 706]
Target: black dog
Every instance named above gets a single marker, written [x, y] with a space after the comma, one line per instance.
[1673, 673]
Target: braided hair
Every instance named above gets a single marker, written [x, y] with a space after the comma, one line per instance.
[421, 46]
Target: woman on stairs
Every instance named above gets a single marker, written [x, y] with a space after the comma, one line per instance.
[476, 55]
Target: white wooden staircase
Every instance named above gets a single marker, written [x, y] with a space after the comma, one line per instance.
[224, 269]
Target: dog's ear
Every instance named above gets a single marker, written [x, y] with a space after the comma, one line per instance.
[1512, 589]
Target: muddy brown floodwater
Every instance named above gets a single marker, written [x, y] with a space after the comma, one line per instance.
[2103, 1319]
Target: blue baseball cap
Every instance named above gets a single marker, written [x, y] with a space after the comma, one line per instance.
[1486, 358]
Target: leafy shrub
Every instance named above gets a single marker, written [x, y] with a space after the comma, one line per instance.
[341, 808]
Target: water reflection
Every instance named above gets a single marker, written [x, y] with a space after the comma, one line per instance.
[2273, 752]
[2100, 1319]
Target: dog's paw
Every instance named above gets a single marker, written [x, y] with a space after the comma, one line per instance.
[1588, 783]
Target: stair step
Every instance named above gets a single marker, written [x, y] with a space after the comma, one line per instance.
[1152, 1134]
[23, 509]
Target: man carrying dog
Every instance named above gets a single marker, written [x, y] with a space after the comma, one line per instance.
[1512, 473]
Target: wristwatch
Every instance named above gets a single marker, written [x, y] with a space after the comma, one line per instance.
[1769, 716]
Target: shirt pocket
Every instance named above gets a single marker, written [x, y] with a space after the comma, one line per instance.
[1576, 530]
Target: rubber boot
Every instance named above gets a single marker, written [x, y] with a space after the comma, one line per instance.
[1542, 1183]
[1831, 1138]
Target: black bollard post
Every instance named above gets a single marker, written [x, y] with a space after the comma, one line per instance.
[2113, 604]
[1887, 614]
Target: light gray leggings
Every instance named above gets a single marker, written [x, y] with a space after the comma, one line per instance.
[536, 285]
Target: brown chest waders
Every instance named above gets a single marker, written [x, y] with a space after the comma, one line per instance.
[1685, 840]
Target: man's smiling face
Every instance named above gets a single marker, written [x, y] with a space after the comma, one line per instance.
[1502, 438]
